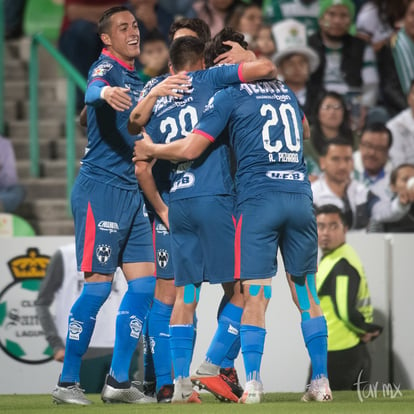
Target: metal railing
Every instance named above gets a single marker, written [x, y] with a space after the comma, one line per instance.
[74, 78]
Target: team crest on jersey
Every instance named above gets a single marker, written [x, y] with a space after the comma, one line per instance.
[101, 69]
[162, 258]
[103, 253]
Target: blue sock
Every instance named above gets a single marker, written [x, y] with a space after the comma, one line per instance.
[315, 334]
[129, 322]
[148, 360]
[252, 344]
[228, 361]
[158, 327]
[226, 333]
[181, 343]
[82, 320]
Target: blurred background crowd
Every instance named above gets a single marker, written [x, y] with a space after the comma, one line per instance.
[350, 64]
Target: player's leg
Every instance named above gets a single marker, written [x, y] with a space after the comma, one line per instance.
[256, 248]
[160, 313]
[98, 261]
[137, 258]
[188, 266]
[301, 236]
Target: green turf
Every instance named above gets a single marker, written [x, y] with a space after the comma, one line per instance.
[345, 402]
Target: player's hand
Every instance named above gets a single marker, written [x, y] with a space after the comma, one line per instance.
[117, 98]
[164, 217]
[174, 85]
[142, 148]
[59, 355]
[370, 336]
[235, 55]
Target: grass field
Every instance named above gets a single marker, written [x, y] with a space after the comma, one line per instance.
[345, 402]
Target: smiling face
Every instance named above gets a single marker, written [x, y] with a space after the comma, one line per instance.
[123, 37]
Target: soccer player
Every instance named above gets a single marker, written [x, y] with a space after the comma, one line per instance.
[274, 209]
[156, 338]
[160, 313]
[204, 188]
[111, 225]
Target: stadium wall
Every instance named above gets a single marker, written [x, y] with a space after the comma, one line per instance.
[27, 368]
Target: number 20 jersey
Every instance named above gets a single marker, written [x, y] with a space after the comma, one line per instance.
[266, 133]
[174, 118]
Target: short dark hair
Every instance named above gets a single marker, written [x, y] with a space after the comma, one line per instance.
[331, 209]
[105, 20]
[335, 141]
[378, 127]
[216, 47]
[198, 26]
[185, 50]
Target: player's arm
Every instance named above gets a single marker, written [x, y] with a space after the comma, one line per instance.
[143, 172]
[188, 148]
[306, 128]
[83, 119]
[172, 86]
[99, 91]
[259, 69]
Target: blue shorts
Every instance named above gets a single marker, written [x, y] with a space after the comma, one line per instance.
[162, 248]
[270, 221]
[111, 226]
[202, 239]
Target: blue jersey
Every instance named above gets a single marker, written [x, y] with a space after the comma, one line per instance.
[266, 133]
[108, 155]
[174, 118]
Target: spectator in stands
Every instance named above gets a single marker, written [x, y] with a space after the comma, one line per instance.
[347, 63]
[377, 23]
[305, 11]
[371, 161]
[61, 287]
[345, 300]
[264, 45]
[154, 56]
[295, 60]
[330, 120]
[402, 128]
[403, 49]
[246, 19]
[151, 16]
[13, 18]
[401, 189]
[178, 8]
[214, 12]
[78, 40]
[335, 186]
[11, 192]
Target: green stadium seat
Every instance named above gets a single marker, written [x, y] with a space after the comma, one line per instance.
[12, 225]
[43, 16]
